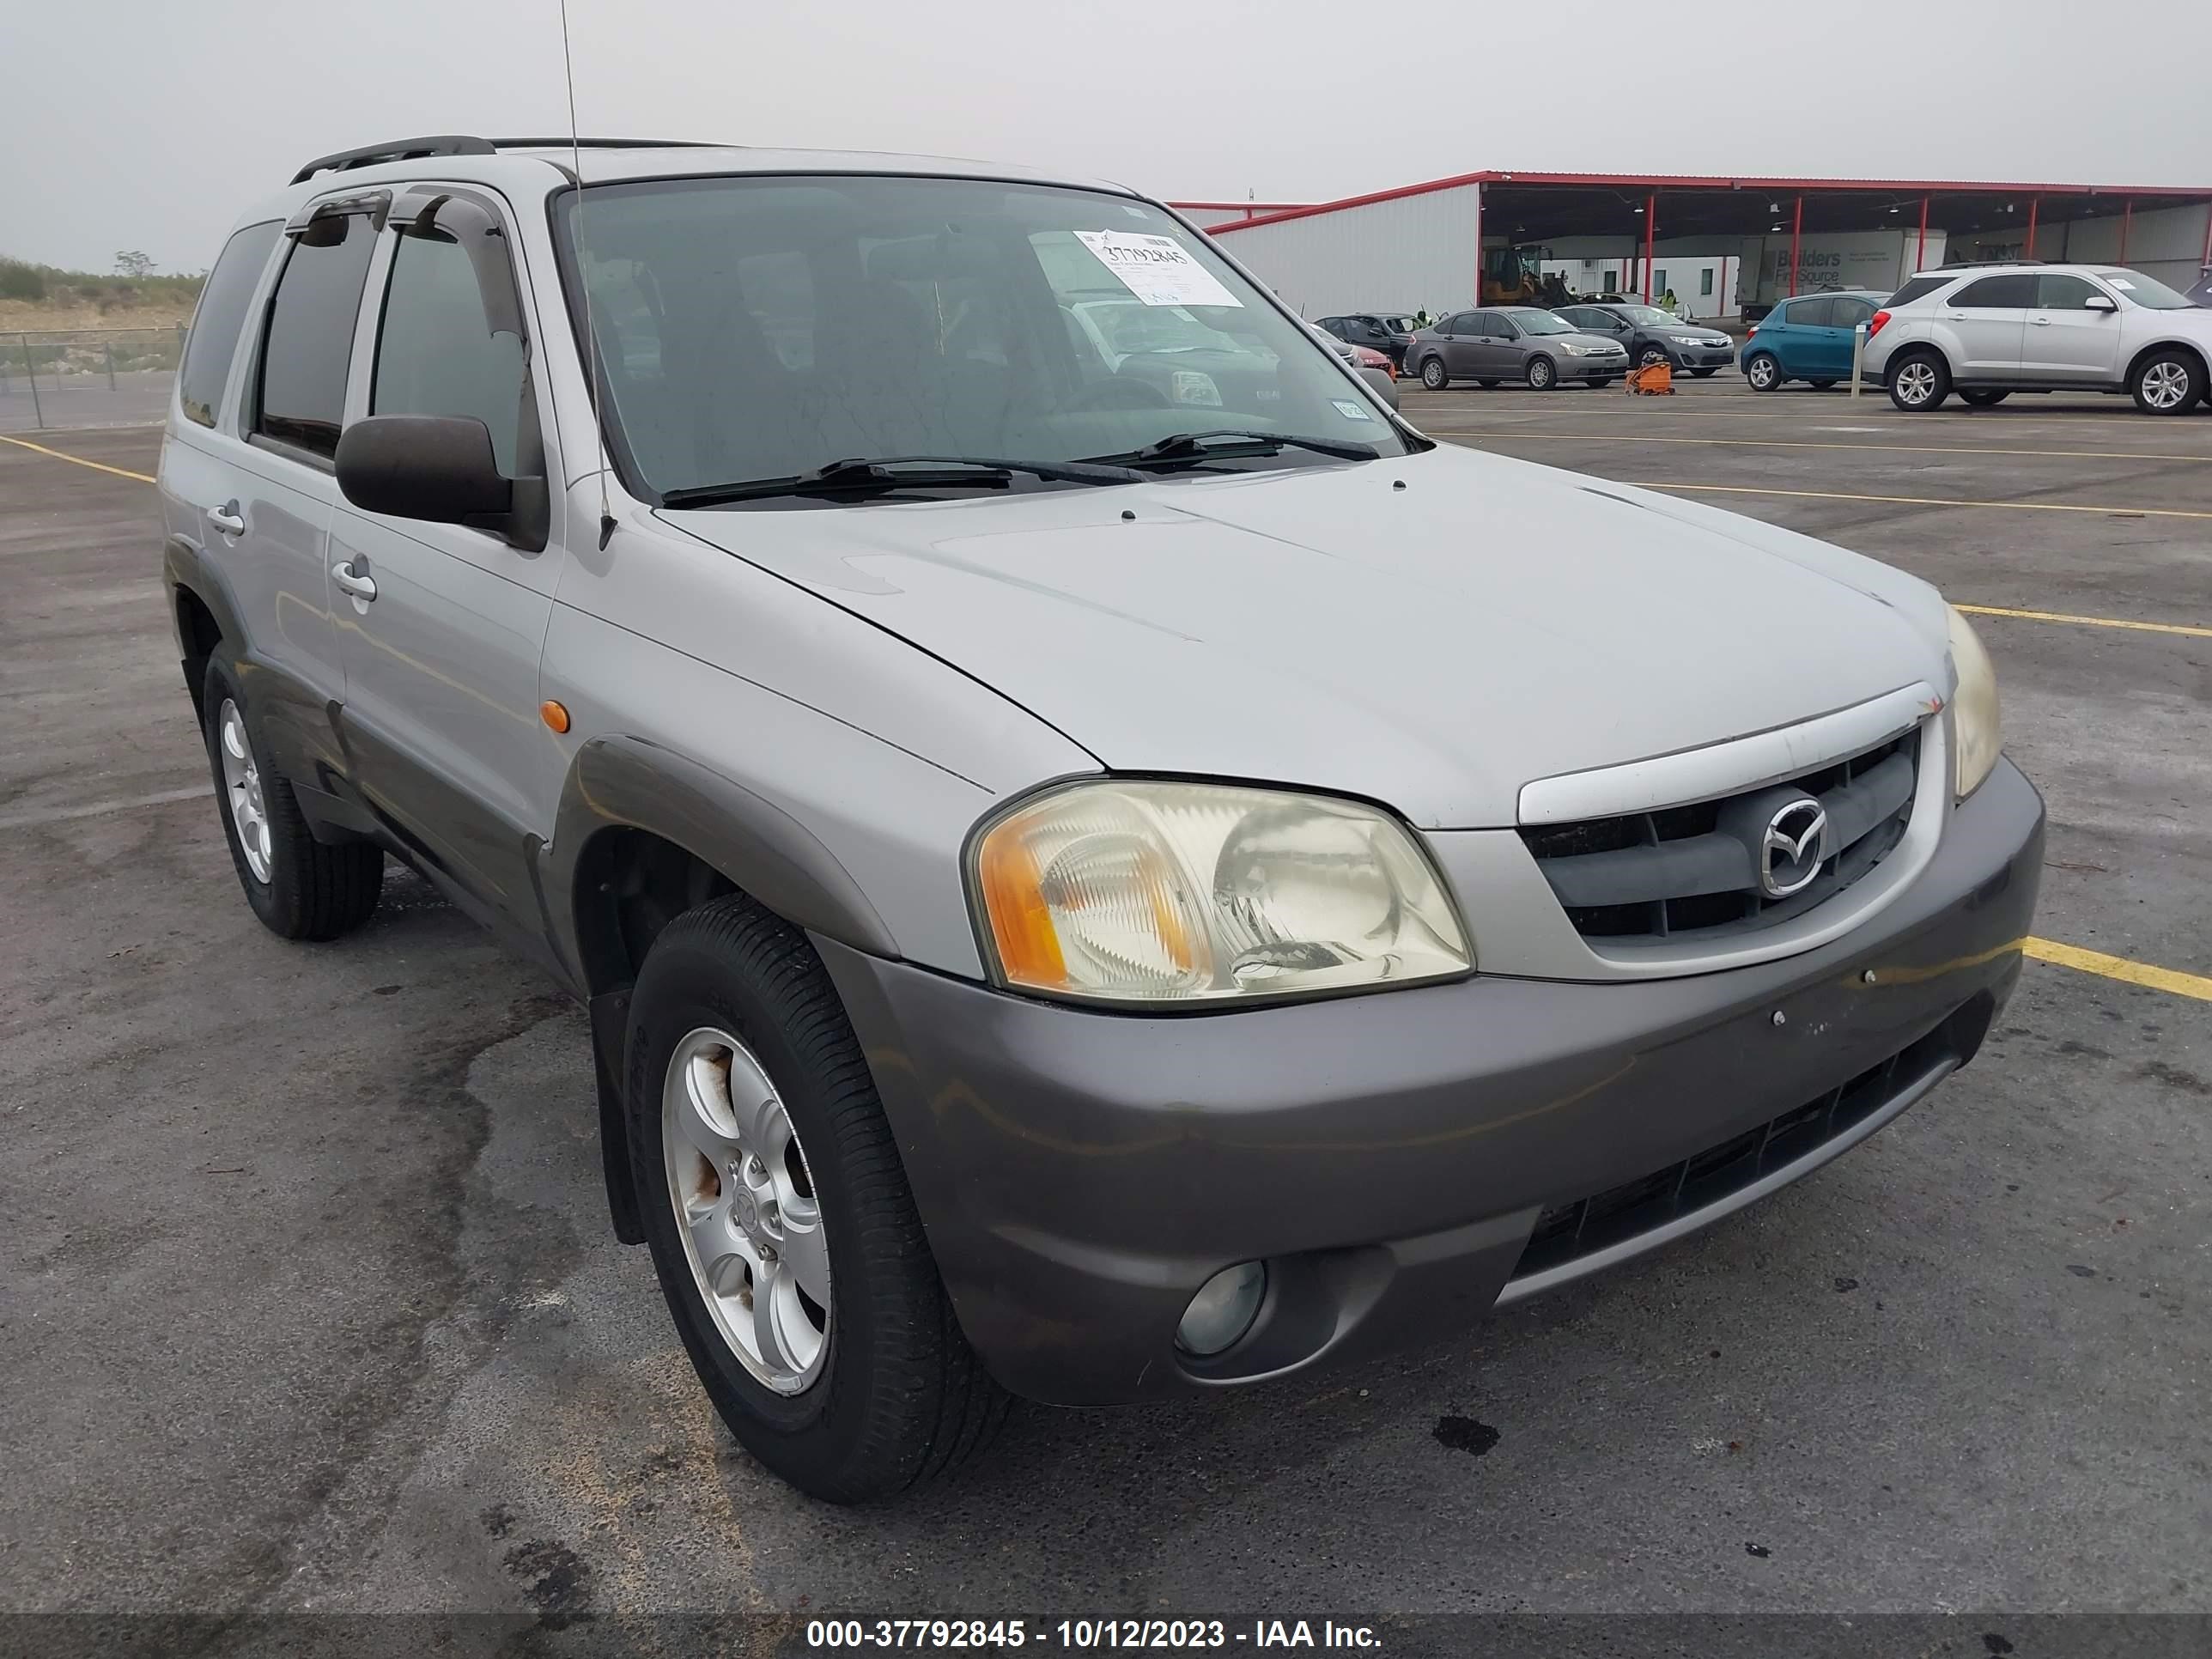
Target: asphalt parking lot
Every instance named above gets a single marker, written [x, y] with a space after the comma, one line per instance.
[308, 1301]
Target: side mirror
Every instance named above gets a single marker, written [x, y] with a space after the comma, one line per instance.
[2101, 302]
[440, 468]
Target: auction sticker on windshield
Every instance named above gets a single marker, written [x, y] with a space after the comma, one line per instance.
[1157, 269]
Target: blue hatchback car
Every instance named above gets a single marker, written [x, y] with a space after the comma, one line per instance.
[1806, 339]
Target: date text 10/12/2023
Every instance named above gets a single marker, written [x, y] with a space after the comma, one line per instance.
[1083, 1635]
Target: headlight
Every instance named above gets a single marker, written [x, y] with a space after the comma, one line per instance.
[1974, 706]
[1154, 892]
[1686, 339]
[1574, 351]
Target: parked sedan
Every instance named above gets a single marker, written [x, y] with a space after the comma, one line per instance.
[1806, 338]
[1652, 336]
[1513, 343]
[1387, 332]
[1371, 365]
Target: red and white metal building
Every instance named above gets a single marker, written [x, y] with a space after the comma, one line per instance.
[1421, 245]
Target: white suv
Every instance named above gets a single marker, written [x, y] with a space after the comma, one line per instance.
[1986, 331]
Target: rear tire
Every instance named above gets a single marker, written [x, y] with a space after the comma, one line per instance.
[1920, 381]
[1487, 386]
[1434, 375]
[1704, 373]
[1982, 397]
[2169, 382]
[299, 888]
[1764, 370]
[871, 1388]
[1543, 375]
[1821, 385]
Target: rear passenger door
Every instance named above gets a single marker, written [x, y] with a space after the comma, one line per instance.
[442, 649]
[1846, 313]
[271, 542]
[1987, 318]
[2064, 342]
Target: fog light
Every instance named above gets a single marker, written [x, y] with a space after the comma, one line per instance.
[1223, 1309]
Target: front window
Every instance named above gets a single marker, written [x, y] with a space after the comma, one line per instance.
[756, 328]
[1649, 316]
[2147, 291]
[1539, 322]
[1398, 325]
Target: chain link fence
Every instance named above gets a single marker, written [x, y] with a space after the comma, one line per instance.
[87, 377]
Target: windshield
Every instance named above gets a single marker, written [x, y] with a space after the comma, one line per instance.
[1540, 322]
[1129, 326]
[761, 327]
[2148, 291]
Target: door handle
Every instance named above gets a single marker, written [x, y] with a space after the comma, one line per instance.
[2040, 322]
[349, 581]
[227, 518]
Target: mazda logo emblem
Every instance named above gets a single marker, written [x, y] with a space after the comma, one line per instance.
[1789, 857]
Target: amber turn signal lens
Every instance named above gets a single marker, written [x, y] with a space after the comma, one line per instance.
[553, 714]
[1021, 921]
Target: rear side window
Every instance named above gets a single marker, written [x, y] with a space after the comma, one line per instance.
[1917, 288]
[437, 355]
[1465, 323]
[2056, 292]
[1850, 314]
[220, 316]
[310, 338]
[1996, 294]
[1813, 313]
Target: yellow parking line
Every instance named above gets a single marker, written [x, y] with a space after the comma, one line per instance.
[2120, 968]
[1509, 433]
[97, 466]
[2087, 621]
[1917, 500]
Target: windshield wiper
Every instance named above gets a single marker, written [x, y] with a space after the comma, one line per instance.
[1179, 447]
[861, 477]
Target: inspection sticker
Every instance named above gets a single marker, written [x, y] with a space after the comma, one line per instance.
[1350, 411]
[1157, 269]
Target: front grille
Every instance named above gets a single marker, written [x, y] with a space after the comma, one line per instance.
[1693, 873]
[1584, 1227]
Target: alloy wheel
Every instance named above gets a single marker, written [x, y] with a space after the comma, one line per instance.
[2165, 385]
[242, 785]
[1915, 383]
[746, 1209]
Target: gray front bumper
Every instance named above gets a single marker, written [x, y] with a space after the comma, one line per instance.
[1080, 1174]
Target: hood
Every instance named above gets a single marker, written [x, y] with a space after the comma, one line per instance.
[1433, 646]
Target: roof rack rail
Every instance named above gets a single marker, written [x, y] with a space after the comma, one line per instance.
[461, 143]
[399, 149]
[1984, 264]
[564, 141]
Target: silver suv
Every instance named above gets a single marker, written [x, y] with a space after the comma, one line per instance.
[1093, 881]
[1986, 331]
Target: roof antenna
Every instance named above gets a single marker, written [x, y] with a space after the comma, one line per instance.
[584, 275]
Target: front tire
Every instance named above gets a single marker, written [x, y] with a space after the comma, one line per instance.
[1487, 386]
[1434, 375]
[777, 1211]
[298, 887]
[1920, 382]
[2167, 382]
[1543, 375]
[1982, 398]
[1704, 373]
[1651, 357]
[1764, 370]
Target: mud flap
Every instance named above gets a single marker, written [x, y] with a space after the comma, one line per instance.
[609, 1023]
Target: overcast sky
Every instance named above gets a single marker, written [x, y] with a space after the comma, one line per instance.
[131, 123]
